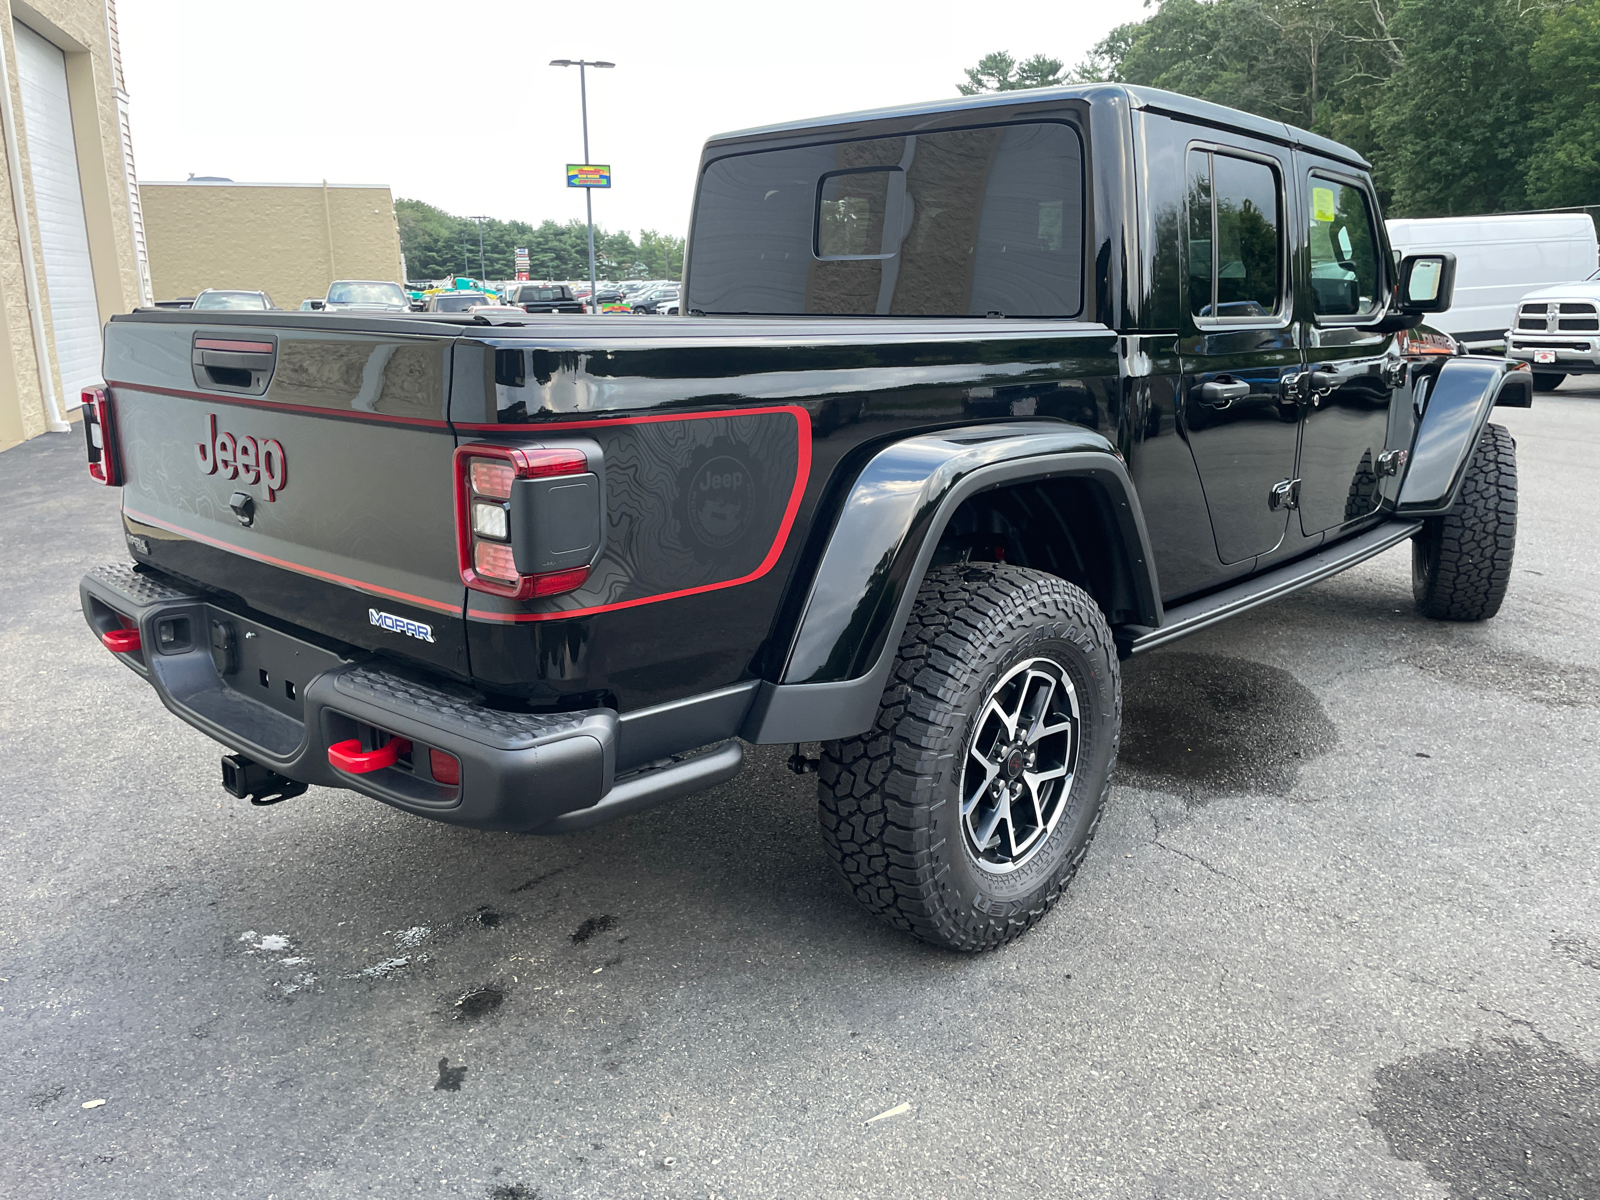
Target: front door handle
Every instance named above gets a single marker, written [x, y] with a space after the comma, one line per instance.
[1218, 394]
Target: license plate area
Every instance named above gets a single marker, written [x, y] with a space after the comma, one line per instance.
[261, 664]
[1544, 356]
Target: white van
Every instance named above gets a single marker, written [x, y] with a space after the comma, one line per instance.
[1499, 260]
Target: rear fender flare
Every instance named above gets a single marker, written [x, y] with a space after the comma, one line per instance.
[1458, 407]
[878, 552]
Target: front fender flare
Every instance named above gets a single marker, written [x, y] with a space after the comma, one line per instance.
[878, 552]
[1459, 403]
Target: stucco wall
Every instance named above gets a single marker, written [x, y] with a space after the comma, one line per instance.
[78, 27]
[289, 240]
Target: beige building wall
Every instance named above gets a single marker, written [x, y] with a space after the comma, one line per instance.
[30, 376]
[288, 240]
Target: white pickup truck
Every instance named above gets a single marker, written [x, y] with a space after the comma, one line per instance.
[1557, 330]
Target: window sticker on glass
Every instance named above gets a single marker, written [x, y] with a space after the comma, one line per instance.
[1323, 206]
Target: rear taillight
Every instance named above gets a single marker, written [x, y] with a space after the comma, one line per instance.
[100, 434]
[486, 478]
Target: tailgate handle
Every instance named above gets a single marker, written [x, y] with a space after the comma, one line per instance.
[233, 364]
[249, 361]
[348, 756]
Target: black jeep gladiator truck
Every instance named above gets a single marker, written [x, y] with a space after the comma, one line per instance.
[970, 401]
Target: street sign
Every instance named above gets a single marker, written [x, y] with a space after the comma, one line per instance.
[589, 175]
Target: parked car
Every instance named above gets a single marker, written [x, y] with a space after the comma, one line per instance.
[180, 302]
[311, 304]
[455, 302]
[365, 295]
[219, 299]
[651, 301]
[1557, 332]
[1087, 403]
[1499, 260]
[544, 298]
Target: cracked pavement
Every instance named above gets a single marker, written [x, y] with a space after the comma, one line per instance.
[1339, 936]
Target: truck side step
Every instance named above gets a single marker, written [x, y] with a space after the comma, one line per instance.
[1196, 615]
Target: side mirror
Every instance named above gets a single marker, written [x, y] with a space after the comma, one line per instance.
[1427, 283]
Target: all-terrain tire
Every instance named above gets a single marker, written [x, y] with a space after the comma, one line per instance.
[1461, 562]
[1548, 381]
[891, 798]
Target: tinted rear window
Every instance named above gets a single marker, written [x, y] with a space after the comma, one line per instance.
[959, 223]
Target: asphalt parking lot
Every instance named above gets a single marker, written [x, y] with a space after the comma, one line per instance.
[1339, 936]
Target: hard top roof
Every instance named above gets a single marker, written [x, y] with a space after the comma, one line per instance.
[1153, 99]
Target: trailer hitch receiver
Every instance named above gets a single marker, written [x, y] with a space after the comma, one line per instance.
[249, 780]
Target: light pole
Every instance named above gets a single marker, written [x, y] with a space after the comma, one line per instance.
[588, 193]
[482, 270]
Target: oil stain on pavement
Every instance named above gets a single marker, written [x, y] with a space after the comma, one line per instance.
[1204, 725]
[1506, 1118]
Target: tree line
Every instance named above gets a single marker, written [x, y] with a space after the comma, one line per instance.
[1462, 106]
[438, 245]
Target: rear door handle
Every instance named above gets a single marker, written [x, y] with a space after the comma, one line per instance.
[1218, 394]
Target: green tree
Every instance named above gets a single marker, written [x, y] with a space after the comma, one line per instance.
[999, 72]
[1319, 64]
[1454, 126]
[1462, 106]
[1564, 64]
[438, 245]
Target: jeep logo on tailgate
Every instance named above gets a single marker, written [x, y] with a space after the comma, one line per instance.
[243, 457]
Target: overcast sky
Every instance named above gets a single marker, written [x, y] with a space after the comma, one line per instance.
[453, 103]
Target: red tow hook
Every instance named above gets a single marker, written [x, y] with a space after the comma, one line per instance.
[121, 641]
[348, 756]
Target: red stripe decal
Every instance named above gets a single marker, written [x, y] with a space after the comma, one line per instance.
[338, 414]
[801, 476]
[802, 418]
[243, 347]
[299, 568]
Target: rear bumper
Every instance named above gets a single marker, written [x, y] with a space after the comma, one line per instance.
[282, 701]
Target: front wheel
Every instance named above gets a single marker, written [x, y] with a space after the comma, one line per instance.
[1461, 562]
[966, 809]
[1548, 381]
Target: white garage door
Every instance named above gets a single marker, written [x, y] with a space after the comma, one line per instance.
[58, 199]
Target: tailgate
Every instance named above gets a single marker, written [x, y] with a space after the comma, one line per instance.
[305, 471]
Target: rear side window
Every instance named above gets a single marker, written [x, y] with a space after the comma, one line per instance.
[959, 223]
[1344, 250]
[1235, 237]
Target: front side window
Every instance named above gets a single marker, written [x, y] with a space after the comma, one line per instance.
[968, 222]
[1344, 250]
[1235, 244]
